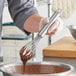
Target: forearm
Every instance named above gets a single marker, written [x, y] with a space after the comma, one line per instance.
[20, 11]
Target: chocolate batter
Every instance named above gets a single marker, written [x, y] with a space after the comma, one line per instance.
[36, 69]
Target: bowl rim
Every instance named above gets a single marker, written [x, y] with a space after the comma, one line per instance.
[34, 63]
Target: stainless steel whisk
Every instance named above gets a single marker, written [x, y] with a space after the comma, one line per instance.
[32, 44]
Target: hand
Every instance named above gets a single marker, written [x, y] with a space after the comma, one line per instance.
[27, 56]
[34, 23]
[55, 28]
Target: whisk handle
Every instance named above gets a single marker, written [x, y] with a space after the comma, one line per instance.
[52, 19]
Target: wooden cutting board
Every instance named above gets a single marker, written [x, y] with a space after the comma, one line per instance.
[65, 47]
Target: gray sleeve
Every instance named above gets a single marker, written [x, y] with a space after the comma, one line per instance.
[20, 10]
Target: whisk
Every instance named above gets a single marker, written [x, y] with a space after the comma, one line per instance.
[33, 44]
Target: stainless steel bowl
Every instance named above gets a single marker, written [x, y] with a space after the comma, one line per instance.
[72, 29]
[67, 66]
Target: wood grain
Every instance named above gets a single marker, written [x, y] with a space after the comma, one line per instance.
[65, 47]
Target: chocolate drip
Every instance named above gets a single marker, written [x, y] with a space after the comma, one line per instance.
[25, 57]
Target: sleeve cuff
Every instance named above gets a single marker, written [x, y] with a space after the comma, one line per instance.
[22, 17]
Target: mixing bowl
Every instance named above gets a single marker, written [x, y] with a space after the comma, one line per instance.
[37, 69]
[72, 29]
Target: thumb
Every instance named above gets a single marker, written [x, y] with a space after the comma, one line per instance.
[43, 22]
[46, 20]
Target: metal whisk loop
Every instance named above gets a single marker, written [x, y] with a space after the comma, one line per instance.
[31, 46]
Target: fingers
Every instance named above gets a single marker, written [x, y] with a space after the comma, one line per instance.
[60, 27]
[54, 26]
[52, 33]
[52, 30]
[43, 22]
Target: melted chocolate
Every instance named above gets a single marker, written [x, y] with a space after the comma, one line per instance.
[33, 69]
[36, 69]
[25, 57]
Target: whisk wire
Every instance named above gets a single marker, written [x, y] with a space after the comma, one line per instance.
[32, 45]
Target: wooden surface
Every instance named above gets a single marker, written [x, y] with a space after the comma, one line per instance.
[66, 47]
